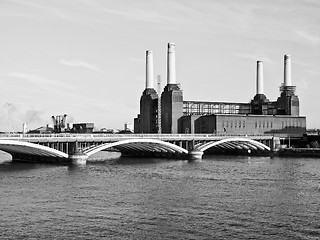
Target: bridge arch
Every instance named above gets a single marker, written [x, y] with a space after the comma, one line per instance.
[15, 147]
[146, 146]
[240, 143]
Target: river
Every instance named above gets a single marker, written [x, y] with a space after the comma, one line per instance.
[221, 197]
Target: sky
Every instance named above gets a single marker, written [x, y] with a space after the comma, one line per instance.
[86, 58]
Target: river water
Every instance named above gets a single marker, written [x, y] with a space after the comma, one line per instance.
[221, 197]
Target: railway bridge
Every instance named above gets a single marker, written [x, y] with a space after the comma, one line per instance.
[68, 148]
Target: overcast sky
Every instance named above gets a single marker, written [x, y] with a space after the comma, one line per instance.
[86, 58]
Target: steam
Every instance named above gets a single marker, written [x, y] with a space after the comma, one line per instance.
[12, 117]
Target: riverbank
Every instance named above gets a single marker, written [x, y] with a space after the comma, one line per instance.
[299, 152]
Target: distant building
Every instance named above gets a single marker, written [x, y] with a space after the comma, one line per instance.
[259, 116]
[105, 130]
[24, 128]
[82, 128]
[128, 127]
[42, 130]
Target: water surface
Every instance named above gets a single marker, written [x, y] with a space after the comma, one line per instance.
[221, 197]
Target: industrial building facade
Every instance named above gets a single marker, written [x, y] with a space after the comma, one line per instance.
[259, 116]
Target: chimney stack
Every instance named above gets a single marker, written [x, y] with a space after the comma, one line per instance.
[149, 69]
[171, 64]
[287, 71]
[260, 77]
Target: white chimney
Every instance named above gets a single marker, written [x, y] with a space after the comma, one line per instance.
[171, 64]
[287, 71]
[149, 69]
[260, 77]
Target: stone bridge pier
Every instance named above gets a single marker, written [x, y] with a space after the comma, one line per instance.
[76, 154]
[194, 154]
[190, 146]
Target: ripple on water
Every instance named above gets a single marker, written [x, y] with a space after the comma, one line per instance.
[127, 198]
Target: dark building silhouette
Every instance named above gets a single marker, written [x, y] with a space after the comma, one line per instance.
[82, 128]
[148, 113]
[171, 108]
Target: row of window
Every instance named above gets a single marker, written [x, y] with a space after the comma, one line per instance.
[263, 124]
[235, 124]
[291, 124]
[259, 124]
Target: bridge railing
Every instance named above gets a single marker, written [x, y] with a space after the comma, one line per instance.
[125, 136]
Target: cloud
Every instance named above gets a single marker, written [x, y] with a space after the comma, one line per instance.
[307, 36]
[132, 11]
[136, 60]
[79, 63]
[45, 9]
[254, 57]
[313, 72]
[41, 84]
[37, 79]
[26, 76]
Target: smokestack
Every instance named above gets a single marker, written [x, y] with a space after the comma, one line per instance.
[171, 64]
[287, 71]
[149, 69]
[259, 77]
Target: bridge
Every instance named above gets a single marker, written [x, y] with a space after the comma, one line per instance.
[65, 147]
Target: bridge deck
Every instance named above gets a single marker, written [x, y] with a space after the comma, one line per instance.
[146, 145]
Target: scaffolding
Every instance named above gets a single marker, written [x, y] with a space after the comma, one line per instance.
[207, 108]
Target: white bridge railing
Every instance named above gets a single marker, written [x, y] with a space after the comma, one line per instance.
[132, 136]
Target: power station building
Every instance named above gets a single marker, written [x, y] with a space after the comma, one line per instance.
[259, 116]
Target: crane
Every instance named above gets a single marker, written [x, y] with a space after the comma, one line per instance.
[59, 123]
